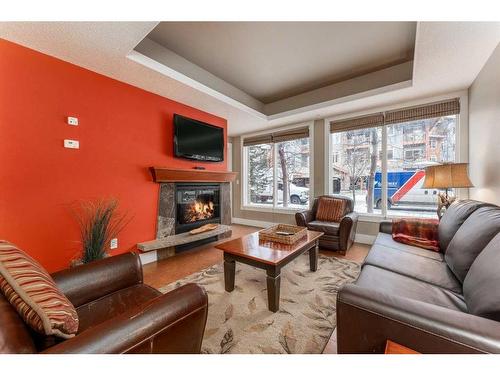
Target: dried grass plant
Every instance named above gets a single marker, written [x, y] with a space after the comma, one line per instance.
[99, 221]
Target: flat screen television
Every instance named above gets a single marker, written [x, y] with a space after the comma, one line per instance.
[197, 140]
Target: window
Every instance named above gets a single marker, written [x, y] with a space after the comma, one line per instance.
[415, 137]
[292, 164]
[358, 151]
[260, 174]
[335, 157]
[277, 172]
[405, 176]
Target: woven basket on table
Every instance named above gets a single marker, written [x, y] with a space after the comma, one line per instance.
[270, 234]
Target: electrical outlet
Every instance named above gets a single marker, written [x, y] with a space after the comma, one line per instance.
[73, 121]
[114, 243]
[71, 143]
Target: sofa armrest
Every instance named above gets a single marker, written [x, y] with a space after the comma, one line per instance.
[367, 318]
[304, 217]
[91, 281]
[171, 323]
[385, 226]
[347, 230]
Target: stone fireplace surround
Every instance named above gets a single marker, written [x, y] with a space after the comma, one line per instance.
[167, 207]
[164, 245]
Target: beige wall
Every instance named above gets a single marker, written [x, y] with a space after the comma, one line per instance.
[319, 157]
[484, 130]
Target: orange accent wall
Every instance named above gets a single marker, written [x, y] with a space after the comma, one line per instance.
[122, 130]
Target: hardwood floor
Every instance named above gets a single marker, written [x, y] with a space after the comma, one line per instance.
[165, 271]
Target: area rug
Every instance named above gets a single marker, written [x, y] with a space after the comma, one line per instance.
[240, 322]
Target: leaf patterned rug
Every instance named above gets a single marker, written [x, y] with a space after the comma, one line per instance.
[239, 322]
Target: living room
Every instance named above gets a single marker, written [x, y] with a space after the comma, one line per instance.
[292, 185]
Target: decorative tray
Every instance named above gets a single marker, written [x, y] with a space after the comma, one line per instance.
[283, 233]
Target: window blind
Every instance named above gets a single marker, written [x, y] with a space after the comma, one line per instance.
[280, 136]
[257, 140]
[444, 108]
[421, 112]
[376, 119]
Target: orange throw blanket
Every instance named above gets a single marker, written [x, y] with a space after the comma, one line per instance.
[417, 232]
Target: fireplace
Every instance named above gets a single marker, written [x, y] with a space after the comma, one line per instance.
[188, 204]
[196, 205]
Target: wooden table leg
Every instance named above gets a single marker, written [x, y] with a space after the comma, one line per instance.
[273, 289]
[229, 273]
[313, 257]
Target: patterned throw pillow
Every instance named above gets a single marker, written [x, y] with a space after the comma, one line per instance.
[330, 209]
[33, 293]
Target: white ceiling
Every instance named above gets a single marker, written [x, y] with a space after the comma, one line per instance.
[448, 56]
[275, 60]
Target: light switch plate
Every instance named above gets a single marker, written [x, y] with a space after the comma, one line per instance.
[73, 121]
[71, 143]
[114, 243]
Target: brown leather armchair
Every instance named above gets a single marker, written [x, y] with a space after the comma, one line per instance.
[337, 236]
[118, 313]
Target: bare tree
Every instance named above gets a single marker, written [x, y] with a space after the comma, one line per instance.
[289, 160]
[284, 173]
[356, 160]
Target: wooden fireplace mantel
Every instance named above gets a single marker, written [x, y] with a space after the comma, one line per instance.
[190, 175]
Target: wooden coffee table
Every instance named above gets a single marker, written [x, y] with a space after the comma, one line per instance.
[269, 256]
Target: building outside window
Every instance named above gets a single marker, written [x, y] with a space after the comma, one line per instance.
[412, 199]
[357, 164]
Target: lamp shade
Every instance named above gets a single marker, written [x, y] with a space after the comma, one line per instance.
[452, 175]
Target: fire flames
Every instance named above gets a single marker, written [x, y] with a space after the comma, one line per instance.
[199, 211]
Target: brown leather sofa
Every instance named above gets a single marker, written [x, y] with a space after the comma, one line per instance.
[118, 313]
[431, 302]
[337, 236]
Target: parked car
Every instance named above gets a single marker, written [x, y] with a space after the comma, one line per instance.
[298, 195]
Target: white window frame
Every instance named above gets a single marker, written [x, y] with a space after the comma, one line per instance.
[245, 205]
[461, 146]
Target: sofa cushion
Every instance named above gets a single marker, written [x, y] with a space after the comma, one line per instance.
[426, 269]
[392, 283]
[330, 209]
[114, 304]
[328, 227]
[34, 295]
[453, 218]
[481, 285]
[471, 238]
[385, 240]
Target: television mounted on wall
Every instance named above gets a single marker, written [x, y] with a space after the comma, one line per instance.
[197, 140]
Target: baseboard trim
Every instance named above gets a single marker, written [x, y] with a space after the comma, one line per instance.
[364, 238]
[253, 223]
